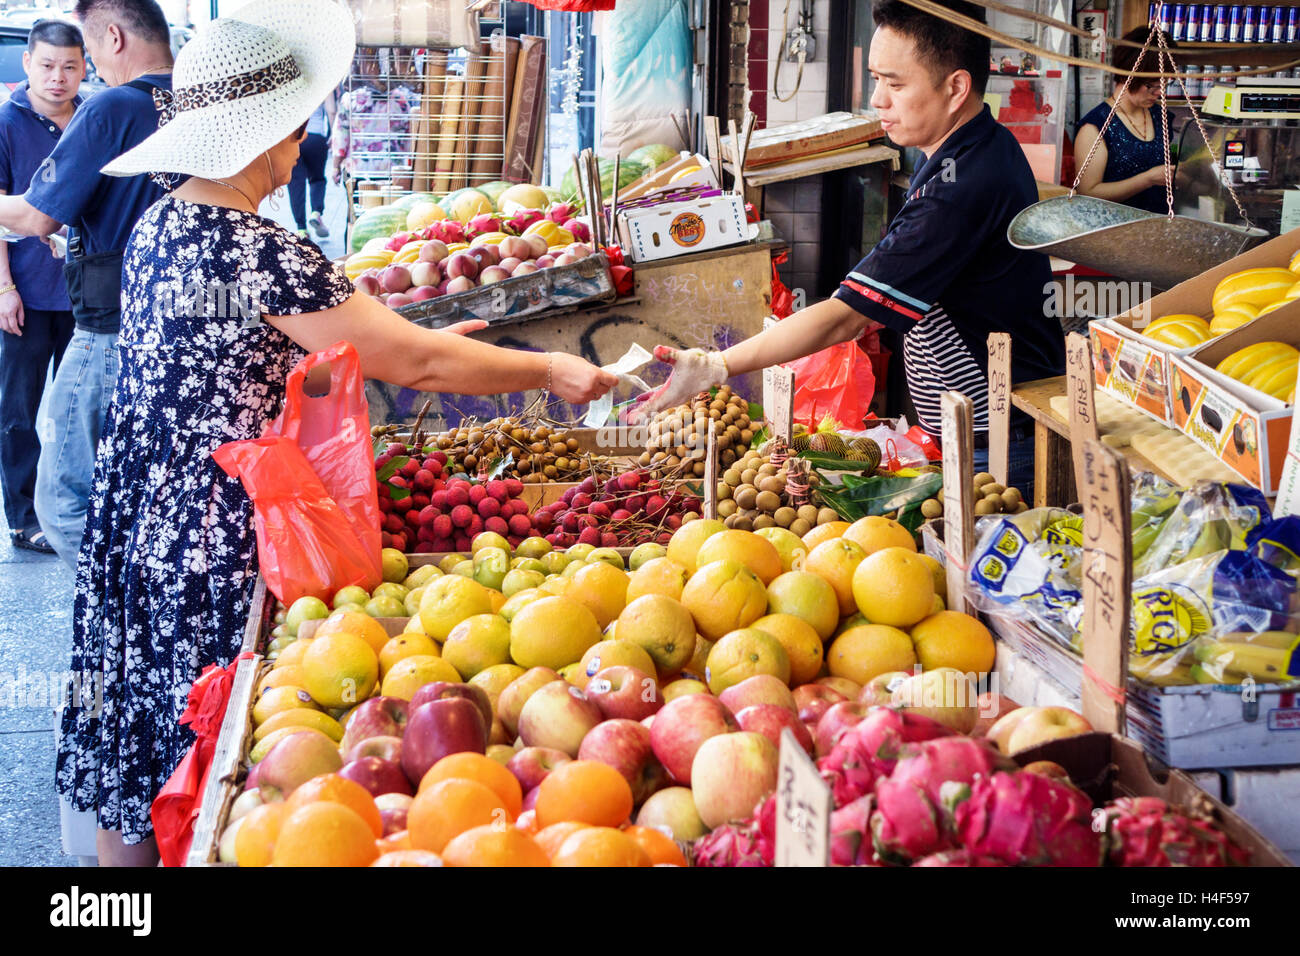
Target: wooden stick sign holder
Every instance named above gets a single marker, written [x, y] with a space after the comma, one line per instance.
[711, 472]
[1107, 584]
[1083, 406]
[999, 344]
[958, 493]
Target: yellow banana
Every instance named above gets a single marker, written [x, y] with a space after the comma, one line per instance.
[1254, 286]
[1162, 670]
[1261, 663]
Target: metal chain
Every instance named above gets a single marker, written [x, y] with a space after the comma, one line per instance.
[1205, 137]
[1118, 98]
[1164, 121]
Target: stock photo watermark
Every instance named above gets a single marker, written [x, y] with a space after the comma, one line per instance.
[1091, 299]
[52, 690]
[209, 300]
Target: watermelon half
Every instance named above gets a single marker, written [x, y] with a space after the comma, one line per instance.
[629, 171]
[380, 221]
[652, 155]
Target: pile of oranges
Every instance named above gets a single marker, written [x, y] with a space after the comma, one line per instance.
[468, 812]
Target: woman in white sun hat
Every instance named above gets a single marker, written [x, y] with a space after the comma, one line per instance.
[169, 559]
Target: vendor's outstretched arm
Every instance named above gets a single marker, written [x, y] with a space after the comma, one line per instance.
[809, 330]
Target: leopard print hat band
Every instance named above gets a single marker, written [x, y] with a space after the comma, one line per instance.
[252, 83]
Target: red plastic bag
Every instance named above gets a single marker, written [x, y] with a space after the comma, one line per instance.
[177, 805]
[838, 382]
[311, 479]
[782, 297]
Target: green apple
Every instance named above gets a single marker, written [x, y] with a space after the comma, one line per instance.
[645, 552]
[352, 594]
[533, 547]
[491, 565]
[412, 600]
[421, 576]
[520, 580]
[305, 609]
[488, 539]
[519, 600]
[448, 564]
[554, 562]
[573, 567]
[279, 644]
[390, 589]
[464, 567]
[386, 606]
[395, 564]
[581, 551]
[608, 555]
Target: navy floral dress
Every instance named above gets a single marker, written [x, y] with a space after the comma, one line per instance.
[169, 558]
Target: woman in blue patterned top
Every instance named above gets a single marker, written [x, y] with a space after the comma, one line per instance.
[1128, 166]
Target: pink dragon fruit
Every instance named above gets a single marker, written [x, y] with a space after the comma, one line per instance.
[732, 844]
[1146, 831]
[482, 223]
[957, 858]
[447, 230]
[906, 825]
[1028, 819]
[521, 220]
[765, 817]
[395, 243]
[870, 748]
[560, 212]
[850, 833]
[580, 231]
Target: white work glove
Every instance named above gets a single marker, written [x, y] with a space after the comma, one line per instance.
[694, 371]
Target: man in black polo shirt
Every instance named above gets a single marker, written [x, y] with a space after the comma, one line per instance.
[944, 275]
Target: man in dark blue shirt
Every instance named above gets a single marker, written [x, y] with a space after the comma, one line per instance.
[944, 275]
[129, 42]
[35, 316]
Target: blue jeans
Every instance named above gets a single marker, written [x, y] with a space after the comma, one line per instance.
[75, 410]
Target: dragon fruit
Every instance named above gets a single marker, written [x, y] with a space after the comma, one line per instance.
[870, 748]
[580, 231]
[481, 224]
[560, 212]
[732, 844]
[447, 230]
[906, 825]
[765, 818]
[957, 858]
[1146, 831]
[850, 833]
[395, 243]
[1028, 819]
[521, 220]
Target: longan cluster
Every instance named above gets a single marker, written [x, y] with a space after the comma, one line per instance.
[753, 495]
[679, 436]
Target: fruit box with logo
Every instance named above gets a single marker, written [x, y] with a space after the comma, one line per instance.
[1136, 369]
[1247, 429]
[678, 229]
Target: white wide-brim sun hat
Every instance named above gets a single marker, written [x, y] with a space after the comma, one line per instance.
[243, 84]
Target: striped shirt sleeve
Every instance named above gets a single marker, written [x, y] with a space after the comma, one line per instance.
[929, 242]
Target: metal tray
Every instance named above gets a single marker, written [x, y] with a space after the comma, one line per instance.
[584, 282]
[1128, 243]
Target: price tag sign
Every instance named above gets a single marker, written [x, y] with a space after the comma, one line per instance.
[1107, 584]
[711, 472]
[1288, 492]
[1083, 409]
[778, 401]
[958, 492]
[803, 809]
[999, 405]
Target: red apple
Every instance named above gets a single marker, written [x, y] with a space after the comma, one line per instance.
[813, 700]
[512, 699]
[385, 748]
[558, 715]
[992, 706]
[376, 717]
[835, 722]
[435, 250]
[625, 746]
[759, 689]
[1043, 724]
[530, 799]
[879, 691]
[531, 765]
[295, 760]
[621, 690]
[850, 689]
[393, 808]
[770, 719]
[441, 690]
[682, 725]
[461, 265]
[378, 776]
[731, 774]
[438, 728]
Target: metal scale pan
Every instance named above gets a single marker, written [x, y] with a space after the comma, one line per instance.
[1128, 243]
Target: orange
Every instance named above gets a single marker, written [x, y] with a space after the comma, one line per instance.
[397, 840]
[478, 642]
[356, 623]
[657, 576]
[279, 677]
[686, 540]
[255, 841]
[285, 697]
[895, 587]
[753, 551]
[876, 532]
[493, 845]
[953, 639]
[806, 595]
[602, 589]
[324, 834]
[404, 645]
[724, 596]
[836, 560]
[584, 790]
[408, 858]
[801, 642]
[660, 848]
[744, 653]
[869, 650]
[340, 670]
[600, 846]
[659, 627]
[411, 673]
[292, 655]
[824, 532]
[471, 766]
[449, 808]
[553, 631]
[300, 717]
[551, 838]
[335, 789]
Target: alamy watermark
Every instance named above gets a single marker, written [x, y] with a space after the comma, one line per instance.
[209, 300]
[52, 690]
[1068, 299]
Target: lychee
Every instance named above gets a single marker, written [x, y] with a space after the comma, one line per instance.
[520, 525]
[461, 515]
[489, 507]
[457, 494]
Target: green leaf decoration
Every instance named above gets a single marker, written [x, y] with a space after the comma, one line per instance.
[390, 469]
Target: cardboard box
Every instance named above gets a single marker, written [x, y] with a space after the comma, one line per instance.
[1246, 429]
[677, 229]
[661, 177]
[1130, 366]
